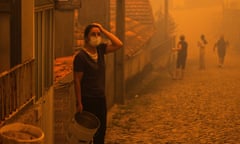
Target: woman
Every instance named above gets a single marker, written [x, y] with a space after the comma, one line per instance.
[89, 74]
[202, 44]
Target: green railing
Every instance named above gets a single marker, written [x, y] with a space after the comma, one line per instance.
[16, 89]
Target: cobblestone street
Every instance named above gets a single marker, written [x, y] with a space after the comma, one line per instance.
[203, 108]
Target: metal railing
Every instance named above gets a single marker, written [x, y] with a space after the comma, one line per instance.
[16, 89]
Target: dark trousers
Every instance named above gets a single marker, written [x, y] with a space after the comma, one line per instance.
[97, 106]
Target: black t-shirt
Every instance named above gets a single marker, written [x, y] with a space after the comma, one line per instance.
[183, 51]
[93, 80]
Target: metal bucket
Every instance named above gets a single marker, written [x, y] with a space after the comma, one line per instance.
[19, 133]
[82, 128]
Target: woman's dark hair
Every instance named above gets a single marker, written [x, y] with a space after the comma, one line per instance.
[88, 29]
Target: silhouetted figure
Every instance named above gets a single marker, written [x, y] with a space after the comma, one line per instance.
[221, 46]
[181, 49]
[201, 45]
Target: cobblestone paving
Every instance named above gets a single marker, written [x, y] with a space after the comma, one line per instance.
[203, 108]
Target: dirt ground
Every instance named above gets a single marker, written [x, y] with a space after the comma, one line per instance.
[203, 108]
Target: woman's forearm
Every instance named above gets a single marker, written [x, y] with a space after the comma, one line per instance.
[115, 40]
[116, 43]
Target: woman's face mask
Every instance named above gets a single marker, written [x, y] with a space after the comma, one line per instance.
[95, 41]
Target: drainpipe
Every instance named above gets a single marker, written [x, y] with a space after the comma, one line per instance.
[119, 55]
[166, 18]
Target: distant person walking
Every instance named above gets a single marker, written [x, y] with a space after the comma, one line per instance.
[221, 46]
[201, 45]
[181, 49]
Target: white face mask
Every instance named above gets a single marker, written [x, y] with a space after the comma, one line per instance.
[95, 41]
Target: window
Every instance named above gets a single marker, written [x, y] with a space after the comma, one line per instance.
[44, 50]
